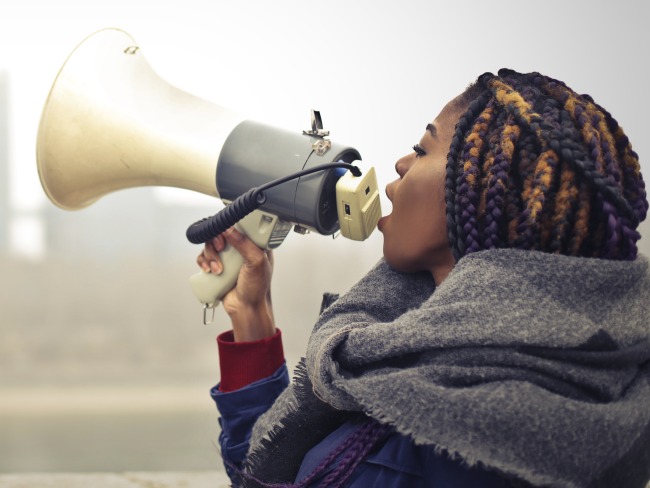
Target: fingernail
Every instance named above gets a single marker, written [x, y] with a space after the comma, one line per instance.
[216, 267]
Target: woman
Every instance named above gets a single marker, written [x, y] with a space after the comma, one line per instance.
[504, 339]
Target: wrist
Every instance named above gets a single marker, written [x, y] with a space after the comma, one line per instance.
[252, 323]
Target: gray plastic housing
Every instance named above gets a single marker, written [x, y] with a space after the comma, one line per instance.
[255, 154]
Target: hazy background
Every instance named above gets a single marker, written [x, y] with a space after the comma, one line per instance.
[104, 361]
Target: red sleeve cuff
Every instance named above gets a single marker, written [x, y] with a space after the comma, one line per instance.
[243, 363]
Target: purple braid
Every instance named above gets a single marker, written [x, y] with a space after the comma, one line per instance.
[633, 184]
[355, 448]
[368, 436]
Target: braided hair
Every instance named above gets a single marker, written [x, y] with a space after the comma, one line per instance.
[341, 461]
[533, 165]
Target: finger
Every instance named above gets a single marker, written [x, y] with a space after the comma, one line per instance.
[209, 250]
[203, 263]
[219, 243]
[210, 260]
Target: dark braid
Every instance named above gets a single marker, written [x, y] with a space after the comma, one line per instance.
[453, 173]
[533, 165]
[495, 184]
[468, 195]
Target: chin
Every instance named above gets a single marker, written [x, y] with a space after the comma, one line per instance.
[400, 263]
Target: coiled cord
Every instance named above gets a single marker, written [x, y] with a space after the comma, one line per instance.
[210, 227]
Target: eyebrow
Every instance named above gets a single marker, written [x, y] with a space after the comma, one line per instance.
[432, 130]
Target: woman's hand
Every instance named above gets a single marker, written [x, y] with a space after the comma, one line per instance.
[249, 303]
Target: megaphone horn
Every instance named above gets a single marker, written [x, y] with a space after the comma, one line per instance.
[111, 123]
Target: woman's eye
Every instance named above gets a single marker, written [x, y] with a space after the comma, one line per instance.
[419, 150]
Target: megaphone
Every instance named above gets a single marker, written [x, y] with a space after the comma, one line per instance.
[111, 123]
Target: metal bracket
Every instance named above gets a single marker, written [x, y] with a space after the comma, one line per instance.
[322, 145]
[316, 126]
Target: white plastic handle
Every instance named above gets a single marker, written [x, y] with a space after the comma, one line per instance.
[263, 229]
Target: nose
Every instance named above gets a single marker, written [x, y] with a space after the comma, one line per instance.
[403, 164]
[401, 167]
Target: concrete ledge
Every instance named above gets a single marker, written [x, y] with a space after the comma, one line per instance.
[209, 479]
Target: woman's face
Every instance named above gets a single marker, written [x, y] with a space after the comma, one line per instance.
[415, 233]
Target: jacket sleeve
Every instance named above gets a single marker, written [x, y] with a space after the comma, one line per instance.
[240, 409]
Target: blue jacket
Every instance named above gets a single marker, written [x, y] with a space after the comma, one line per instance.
[398, 462]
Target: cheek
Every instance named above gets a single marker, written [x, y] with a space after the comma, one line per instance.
[417, 228]
[421, 198]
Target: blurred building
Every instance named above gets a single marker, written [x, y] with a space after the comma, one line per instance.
[4, 158]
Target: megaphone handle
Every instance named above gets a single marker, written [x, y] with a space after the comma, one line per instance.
[262, 228]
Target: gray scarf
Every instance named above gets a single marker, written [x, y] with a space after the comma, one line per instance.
[533, 365]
